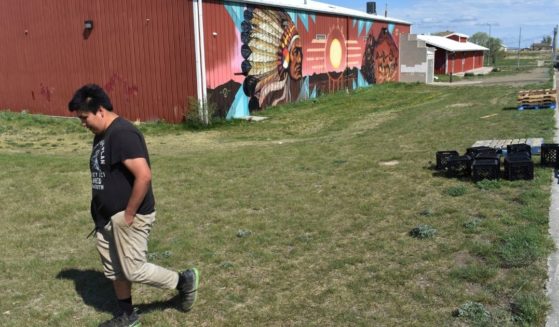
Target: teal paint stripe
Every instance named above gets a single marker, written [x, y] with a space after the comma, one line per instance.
[239, 108]
[368, 26]
[293, 15]
[236, 12]
[304, 17]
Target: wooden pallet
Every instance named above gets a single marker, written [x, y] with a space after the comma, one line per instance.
[537, 92]
[534, 143]
[534, 99]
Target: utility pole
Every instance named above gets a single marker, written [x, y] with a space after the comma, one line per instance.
[555, 60]
[489, 24]
[489, 44]
[518, 51]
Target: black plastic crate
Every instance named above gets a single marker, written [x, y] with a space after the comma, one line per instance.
[442, 158]
[549, 154]
[476, 150]
[519, 148]
[492, 155]
[459, 166]
[486, 169]
[518, 167]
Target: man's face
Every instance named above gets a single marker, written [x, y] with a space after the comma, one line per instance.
[296, 65]
[91, 121]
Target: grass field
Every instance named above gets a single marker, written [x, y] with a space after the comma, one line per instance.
[301, 220]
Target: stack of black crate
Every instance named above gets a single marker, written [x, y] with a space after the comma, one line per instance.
[518, 162]
[484, 162]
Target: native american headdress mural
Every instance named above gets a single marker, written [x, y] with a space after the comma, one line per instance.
[380, 60]
[273, 57]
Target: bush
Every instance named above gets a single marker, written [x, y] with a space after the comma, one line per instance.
[423, 231]
[474, 312]
[472, 224]
[199, 115]
[456, 190]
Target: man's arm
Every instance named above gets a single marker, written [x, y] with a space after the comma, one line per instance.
[142, 179]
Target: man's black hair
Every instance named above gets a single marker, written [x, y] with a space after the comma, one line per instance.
[90, 97]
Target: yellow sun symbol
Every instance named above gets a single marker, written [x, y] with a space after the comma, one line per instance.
[335, 53]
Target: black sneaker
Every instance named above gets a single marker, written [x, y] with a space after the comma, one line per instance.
[188, 288]
[124, 320]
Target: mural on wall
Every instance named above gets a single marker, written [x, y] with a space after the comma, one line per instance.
[273, 57]
[281, 55]
[381, 58]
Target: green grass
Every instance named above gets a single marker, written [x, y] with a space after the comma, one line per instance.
[300, 220]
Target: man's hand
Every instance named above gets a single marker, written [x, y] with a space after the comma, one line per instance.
[142, 179]
[129, 219]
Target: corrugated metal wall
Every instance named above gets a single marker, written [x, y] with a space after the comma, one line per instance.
[141, 51]
[259, 56]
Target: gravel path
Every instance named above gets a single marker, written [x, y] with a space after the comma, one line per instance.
[537, 75]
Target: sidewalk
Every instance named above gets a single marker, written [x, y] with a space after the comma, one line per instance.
[553, 260]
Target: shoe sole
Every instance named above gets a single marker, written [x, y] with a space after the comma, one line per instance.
[196, 282]
[195, 291]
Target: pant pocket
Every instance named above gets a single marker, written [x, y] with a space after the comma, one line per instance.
[118, 219]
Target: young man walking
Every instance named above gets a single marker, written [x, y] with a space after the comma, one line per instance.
[123, 206]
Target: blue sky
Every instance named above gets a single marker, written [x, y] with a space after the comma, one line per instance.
[504, 18]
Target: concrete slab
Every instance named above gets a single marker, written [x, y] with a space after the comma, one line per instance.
[253, 118]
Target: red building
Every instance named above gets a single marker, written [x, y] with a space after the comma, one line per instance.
[154, 57]
[454, 54]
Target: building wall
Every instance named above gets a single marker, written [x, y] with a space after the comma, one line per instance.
[458, 38]
[445, 62]
[416, 60]
[469, 63]
[478, 61]
[141, 52]
[259, 56]
[440, 61]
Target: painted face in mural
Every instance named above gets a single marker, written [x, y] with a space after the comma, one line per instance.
[296, 55]
[273, 56]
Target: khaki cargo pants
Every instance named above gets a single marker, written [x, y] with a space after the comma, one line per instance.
[124, 249]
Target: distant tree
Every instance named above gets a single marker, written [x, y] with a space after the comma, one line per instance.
[546, 40]
[480, 38]
[495, 46]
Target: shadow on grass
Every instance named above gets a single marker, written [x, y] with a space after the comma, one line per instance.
[510, 108]
[97, 292]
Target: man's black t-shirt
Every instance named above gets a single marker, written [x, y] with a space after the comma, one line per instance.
[111, 181]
